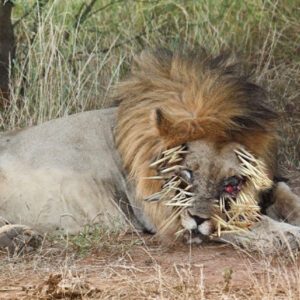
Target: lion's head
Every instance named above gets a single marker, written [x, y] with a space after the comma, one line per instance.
[203, 104]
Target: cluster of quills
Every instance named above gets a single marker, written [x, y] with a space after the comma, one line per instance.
[243, 210]
[176, 191]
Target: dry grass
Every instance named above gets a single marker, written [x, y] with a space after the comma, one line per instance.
[207, 272]
[66, 64]
[67, 60]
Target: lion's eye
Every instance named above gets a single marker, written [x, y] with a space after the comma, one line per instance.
[187, 175]
[232, 185]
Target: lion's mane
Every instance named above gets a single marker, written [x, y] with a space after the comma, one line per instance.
[171, 98]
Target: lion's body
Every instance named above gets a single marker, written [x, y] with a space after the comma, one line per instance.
[93, 167]
[63, 174]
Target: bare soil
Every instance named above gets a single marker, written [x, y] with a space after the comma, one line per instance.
[208, 271]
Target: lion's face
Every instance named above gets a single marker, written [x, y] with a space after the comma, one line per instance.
[214, 173]
[185, 98]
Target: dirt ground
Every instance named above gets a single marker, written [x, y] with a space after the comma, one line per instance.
[139, 271]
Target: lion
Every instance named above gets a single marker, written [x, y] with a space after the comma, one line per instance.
[100, 167]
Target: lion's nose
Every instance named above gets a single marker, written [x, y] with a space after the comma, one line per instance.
[197, 223]
[204, 225]
[199, 220]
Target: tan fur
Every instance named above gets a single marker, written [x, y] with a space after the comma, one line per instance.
[174, 98]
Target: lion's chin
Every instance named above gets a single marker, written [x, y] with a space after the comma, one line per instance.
[195, 237]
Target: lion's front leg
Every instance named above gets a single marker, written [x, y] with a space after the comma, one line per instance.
[267, 236]
[286, 206]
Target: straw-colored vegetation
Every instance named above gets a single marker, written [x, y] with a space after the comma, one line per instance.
[68, 56]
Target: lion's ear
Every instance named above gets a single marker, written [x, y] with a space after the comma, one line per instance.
[163, 124]
[170, 132]
[184, 130]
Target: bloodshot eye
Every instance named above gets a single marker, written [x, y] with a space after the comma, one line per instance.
[232, 185]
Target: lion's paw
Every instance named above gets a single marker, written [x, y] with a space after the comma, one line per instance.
[268, 237]
[19, 239]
